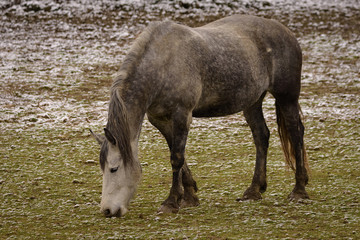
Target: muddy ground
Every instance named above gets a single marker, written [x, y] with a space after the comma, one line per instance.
[57, 62]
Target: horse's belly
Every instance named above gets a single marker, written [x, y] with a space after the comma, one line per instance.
[222, 105]
[214, 111]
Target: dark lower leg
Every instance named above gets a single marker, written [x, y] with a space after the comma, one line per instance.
[189, 198]
[259, 183]
[301, 176]
[172, 203]
[261, 134]
[295, 129]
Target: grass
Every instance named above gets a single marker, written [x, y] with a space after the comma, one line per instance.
[51, 190]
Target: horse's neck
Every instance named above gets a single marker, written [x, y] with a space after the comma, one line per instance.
[135, 102]
[135, 120]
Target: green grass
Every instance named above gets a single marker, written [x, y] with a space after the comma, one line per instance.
[51, 190]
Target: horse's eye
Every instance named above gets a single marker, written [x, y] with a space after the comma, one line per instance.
[112, 170]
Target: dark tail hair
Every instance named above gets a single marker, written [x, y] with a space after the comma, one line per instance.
[287, 146]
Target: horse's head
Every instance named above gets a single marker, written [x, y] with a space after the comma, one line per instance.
[120, 178]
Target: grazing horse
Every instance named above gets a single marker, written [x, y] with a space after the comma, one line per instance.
[173, 73]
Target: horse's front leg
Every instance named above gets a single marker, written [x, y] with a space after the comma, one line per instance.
[180, 128]
[190, 188]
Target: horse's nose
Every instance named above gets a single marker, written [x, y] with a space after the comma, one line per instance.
[107, 213]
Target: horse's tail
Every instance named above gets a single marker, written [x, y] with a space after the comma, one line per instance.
[286, 143]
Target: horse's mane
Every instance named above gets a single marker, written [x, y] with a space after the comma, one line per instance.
[118, 123]
[137, 50]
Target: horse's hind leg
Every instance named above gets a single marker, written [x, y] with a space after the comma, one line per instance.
[255, 119]
[292, 134]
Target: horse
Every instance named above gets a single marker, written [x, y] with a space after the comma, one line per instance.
[173, 73]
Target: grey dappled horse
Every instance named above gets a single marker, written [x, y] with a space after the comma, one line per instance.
[173, 73]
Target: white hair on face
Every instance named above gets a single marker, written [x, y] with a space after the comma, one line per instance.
[118, 186]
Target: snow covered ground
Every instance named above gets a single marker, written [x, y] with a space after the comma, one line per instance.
[57, 59]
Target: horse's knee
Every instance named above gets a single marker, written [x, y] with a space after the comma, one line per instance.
[177, 161]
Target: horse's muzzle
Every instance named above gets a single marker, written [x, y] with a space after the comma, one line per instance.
[107, 213]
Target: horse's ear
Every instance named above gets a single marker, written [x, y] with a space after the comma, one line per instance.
[109, 136]
[99, 138]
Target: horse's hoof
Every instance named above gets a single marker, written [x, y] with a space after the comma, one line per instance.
[298, 195]
[164, 209]
[249, 198]
[249, 194]
[189, 202]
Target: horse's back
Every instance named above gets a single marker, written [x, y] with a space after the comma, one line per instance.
[275, 45]
[263, 39]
